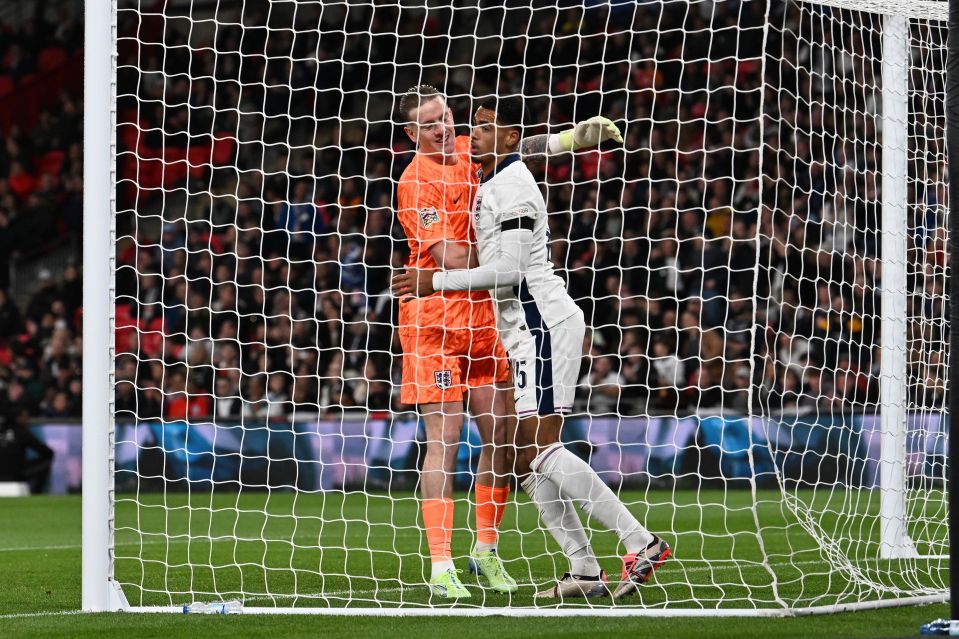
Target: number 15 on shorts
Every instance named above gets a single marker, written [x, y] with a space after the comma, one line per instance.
[524, 391]
[520, 374]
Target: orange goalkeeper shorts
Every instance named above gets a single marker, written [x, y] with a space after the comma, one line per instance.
[439, 365]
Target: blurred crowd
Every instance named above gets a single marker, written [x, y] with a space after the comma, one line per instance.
[41, 191]
[256, 232]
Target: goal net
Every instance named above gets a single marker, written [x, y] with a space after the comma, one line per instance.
[761, 265]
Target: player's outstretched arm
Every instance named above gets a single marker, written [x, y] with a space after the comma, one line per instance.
[585, 134]
[507, 269]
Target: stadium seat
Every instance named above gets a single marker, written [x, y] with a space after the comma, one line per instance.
[223, 148]
[22, 185]
[589, 164]
[151, 339]
[199, 157]
[149, 173]
[51, 59]
[126, 326]
[50, 163]
[6, 85]
[174, 167]
[128, 134]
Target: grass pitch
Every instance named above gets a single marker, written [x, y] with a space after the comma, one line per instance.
[289, 550]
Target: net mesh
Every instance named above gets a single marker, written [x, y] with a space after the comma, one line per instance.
[727, 258]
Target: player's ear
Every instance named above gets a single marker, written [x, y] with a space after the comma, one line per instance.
[410, 133]
[513, 139]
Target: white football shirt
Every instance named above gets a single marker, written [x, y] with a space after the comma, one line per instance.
[510, 198]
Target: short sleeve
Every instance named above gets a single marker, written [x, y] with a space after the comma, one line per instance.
[422, 213]
[517, 199]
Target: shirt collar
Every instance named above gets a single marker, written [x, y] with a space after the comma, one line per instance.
[509, 159]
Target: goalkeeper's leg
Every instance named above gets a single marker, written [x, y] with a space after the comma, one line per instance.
[493, 410]
[444, 425]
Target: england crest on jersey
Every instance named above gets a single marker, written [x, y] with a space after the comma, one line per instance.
[476, 207]
[444, 379]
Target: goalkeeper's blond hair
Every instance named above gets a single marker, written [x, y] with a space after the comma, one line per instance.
[414, 97]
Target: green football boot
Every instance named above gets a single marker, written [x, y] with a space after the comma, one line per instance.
[448, 585]
[489, 565]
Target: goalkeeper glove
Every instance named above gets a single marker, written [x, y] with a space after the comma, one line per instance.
[586, 134]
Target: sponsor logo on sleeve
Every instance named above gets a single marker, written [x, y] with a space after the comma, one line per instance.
[429, 217]
[444, 379]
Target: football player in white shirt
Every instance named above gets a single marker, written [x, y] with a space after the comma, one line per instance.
[542, 329]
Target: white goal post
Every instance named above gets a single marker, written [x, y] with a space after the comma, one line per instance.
[762, 267]
[99, 589]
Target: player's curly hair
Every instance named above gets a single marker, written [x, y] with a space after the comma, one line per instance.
[413, 98]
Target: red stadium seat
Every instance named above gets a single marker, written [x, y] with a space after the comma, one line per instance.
[223, 149]
[198, 157]
[126, 326]
[50, 163]
[174, 166]
[128, 134]
[174, 154]
[149, 173]
[173, 175]
[22, 184]
[123, 316]
[151, 339]
[128, 168]
[6, 85]
[589, 164]
[51, 59]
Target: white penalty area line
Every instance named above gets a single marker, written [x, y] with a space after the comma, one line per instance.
[28, 615]
[182, 539]
[49, 547]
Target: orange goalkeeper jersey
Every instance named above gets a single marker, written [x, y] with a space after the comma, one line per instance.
[435, 201]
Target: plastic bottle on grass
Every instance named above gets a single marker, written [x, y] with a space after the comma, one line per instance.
[215, 608]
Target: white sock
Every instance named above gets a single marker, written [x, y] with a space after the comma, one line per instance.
[481, 547]
[560, 518]
[577, 481]
[440, 567]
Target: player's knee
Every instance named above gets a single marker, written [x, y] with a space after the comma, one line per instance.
[508, 456]
[451, 436]
[523, 462]
[447, 437]
[500, 434]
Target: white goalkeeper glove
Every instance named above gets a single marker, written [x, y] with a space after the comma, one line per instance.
[586, 134]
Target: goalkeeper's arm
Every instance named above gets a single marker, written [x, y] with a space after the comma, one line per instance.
[585, 134]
